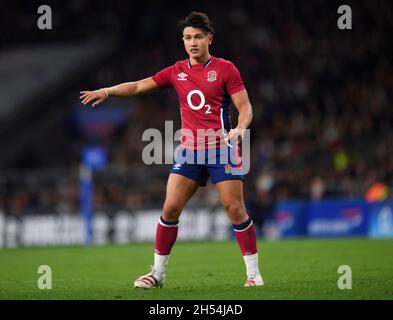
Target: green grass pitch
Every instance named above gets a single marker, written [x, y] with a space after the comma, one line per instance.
[292, 269]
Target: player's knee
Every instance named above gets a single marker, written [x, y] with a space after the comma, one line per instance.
[236, 212]
[171, 211]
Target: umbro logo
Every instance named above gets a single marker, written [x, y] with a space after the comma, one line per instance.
[182, 76]
[177, 166]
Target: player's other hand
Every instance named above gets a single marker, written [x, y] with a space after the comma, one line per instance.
[236, 134]
[96, 96]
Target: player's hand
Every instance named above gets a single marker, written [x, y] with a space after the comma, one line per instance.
[236, 134]
[96, 96]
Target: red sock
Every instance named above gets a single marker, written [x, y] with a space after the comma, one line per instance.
[246, 237]
[166, 235]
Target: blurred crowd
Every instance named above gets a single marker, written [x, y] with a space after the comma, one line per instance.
[322, 97]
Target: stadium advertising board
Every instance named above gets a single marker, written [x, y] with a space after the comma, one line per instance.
[339, 218]
[289, 218]
[380, 223]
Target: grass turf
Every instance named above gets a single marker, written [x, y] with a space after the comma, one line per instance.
[292, 269]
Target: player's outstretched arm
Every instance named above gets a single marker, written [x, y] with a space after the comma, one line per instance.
[126, 89]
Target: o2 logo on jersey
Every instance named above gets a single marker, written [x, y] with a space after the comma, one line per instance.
[201, 104]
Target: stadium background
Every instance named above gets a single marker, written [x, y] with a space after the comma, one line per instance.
[321, 163]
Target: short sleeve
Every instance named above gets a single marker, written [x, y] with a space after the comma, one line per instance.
[233, 81]
[163, 77]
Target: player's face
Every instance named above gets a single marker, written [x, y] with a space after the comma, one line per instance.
[196, 42]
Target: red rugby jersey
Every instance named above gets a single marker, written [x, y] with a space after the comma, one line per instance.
[204, 92]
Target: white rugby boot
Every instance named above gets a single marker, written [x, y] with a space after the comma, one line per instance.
[254, 281]
[150, 280]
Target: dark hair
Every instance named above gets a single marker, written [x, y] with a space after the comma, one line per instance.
[196, 20]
